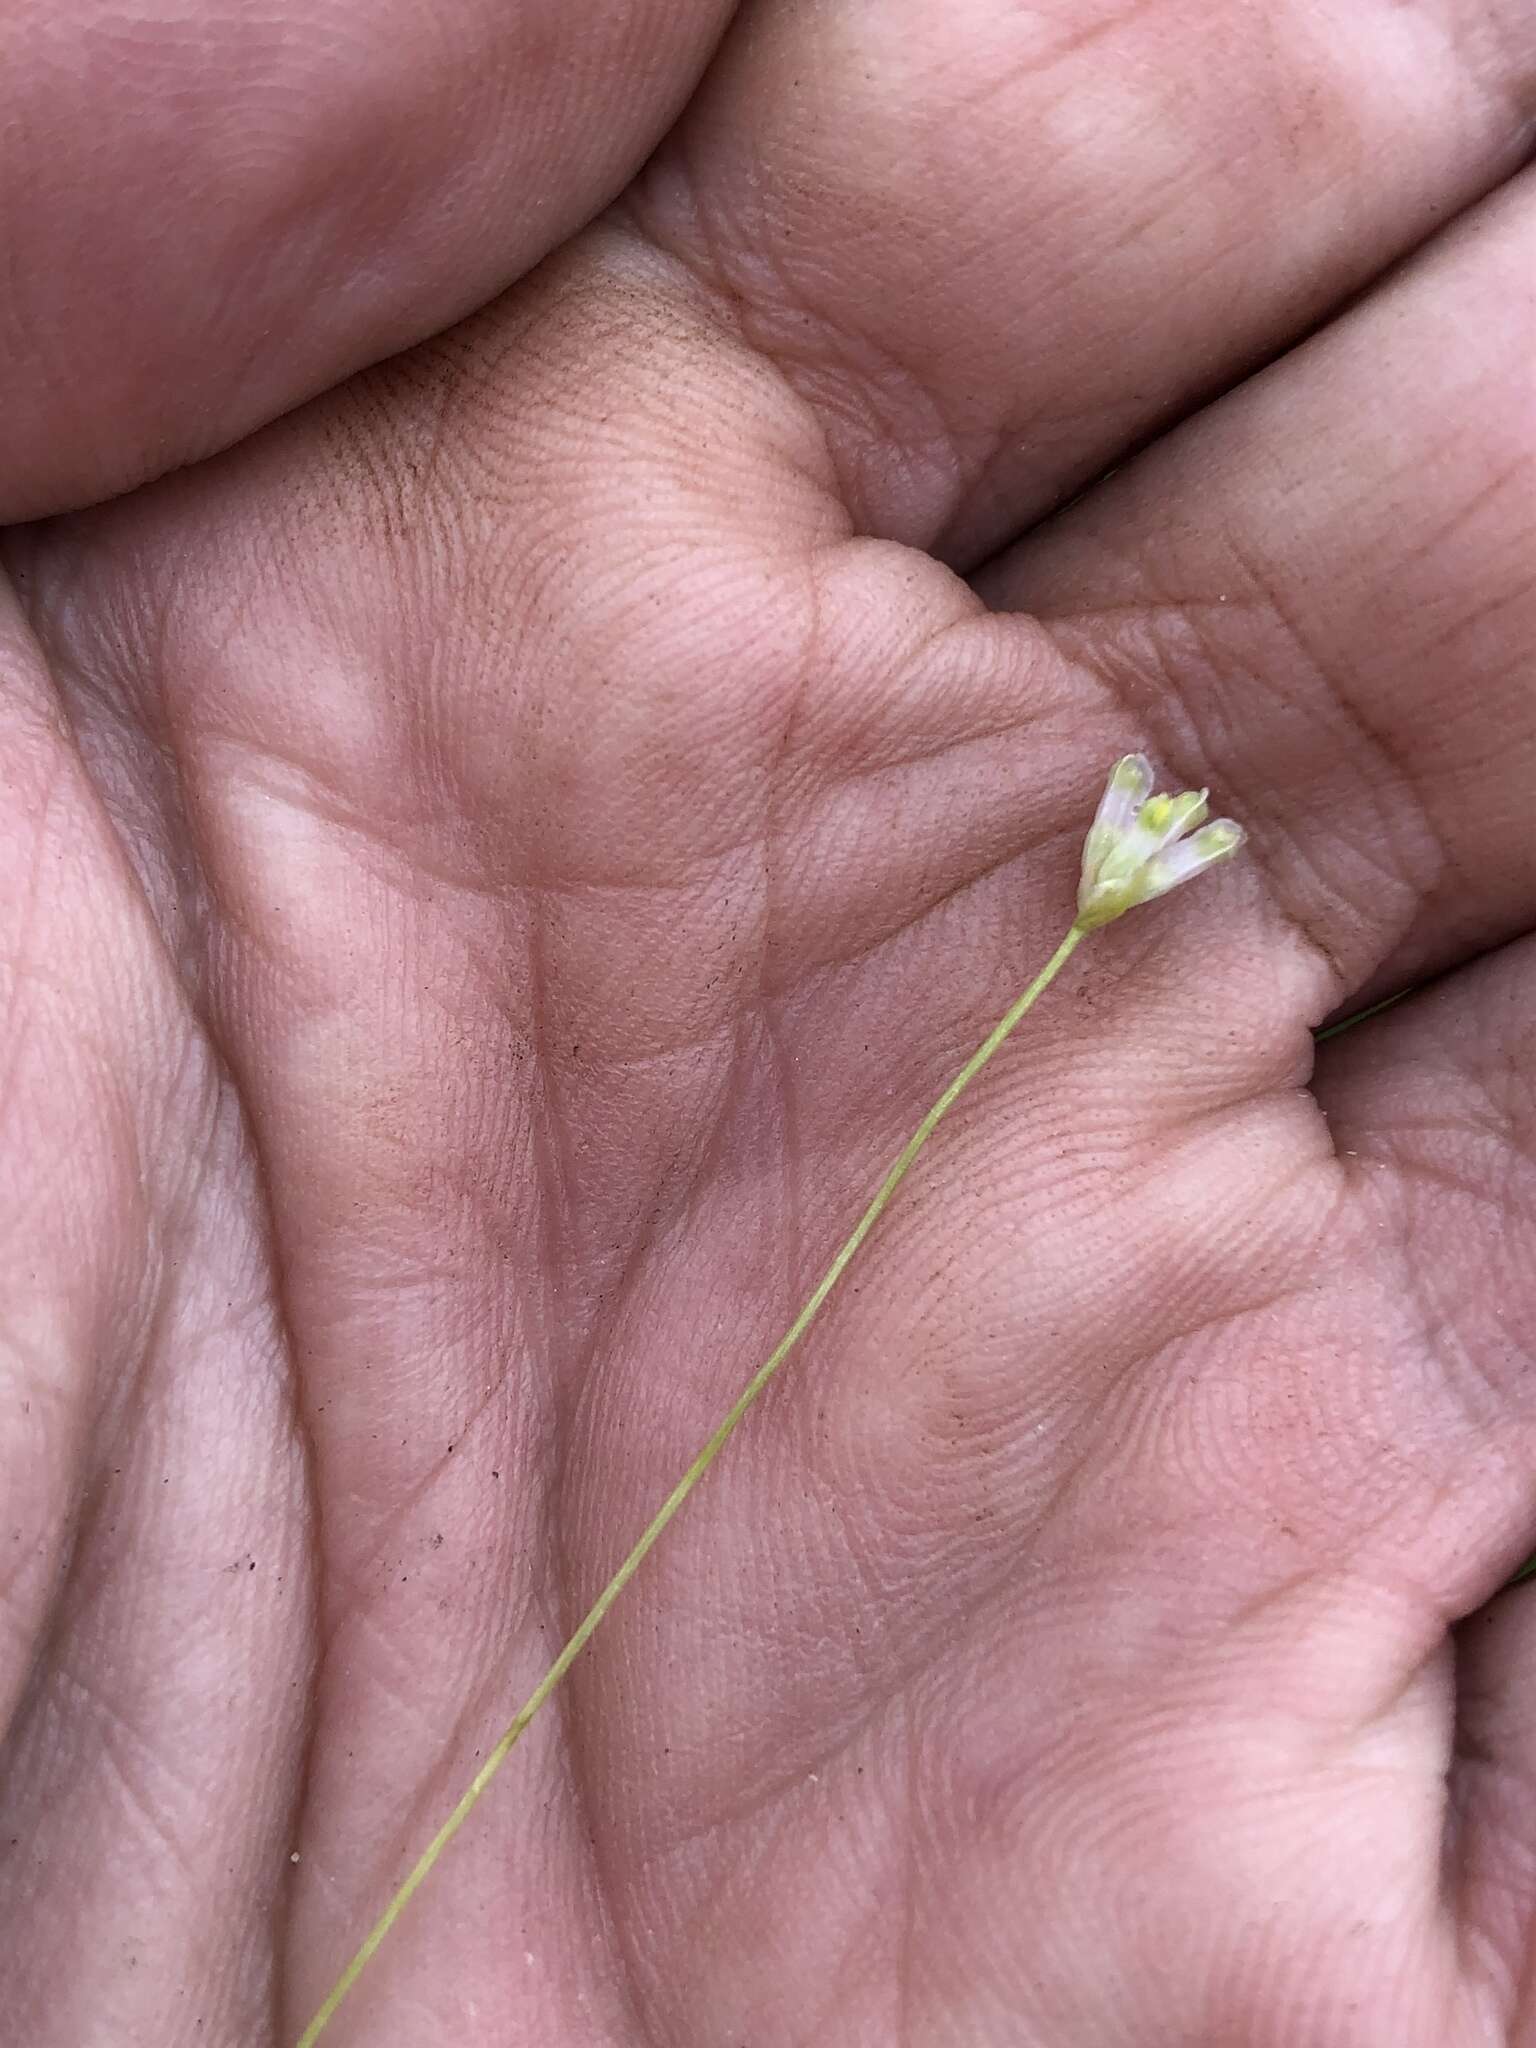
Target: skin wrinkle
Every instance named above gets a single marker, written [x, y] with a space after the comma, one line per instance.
[762, 1010]
[876, 764]
[472, 1712]
[552, 1176]
[111, 1720]
[579, 1769]
[1344, 981]
[223, 1084]
[588, 1814]
[25, 971]
[1407, 1293]
[1143, 1364]
[1040, 63]
[705, 1039]
[1166, 725]
[134, 1346]
[27, 889]
[18, 1643]
[1481, 1113]
[566, 1614]
[671, 1049]
[814, 973]
[1524, 2001]
[624, 1949]
[77, 1522]
[656, 1219]
[1399, 1219]
[986, 1588]
[111, 1728]
[46, 1404]
[905, 1945]
[642, 1244]
[301, 788]
[1490, 614]
[437, 375]
[1507, 1084]
[30, 1698]
[1477, 1803]
[360, 1600]
[1515, 472]
[1292, 1087]
[772, 1790]
[725, 281]
[1092, 1428]
[1431, 1174]
[772, 839]
[1437, 1326]
[763, 1798]
[1338, 1586]
[557, 1573]
[818, 968]
[225, 1080]
[1431, 850]
[475, 1711]
[420, 1807]
[1524, 1987]
[303, 1423]
[364, 827]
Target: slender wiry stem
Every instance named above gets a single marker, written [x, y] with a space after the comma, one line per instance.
[686, 1484]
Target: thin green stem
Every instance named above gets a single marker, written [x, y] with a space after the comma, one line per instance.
[1359, 1016]
[686, 1484]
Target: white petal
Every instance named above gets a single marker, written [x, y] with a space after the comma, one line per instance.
[1191, 857]
[1128, 787]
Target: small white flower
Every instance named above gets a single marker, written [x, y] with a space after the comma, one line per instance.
[1137, 846]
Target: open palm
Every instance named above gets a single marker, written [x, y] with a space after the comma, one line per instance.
[495, 864]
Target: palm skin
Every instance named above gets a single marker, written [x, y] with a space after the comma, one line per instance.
[498, 861]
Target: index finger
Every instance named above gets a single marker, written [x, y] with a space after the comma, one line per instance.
[230, 208]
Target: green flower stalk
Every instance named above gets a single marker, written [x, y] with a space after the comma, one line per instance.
[1139, 847]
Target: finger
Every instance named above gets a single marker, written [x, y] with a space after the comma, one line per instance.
[230, 208]
[1318, 597]
[154, 1592]
[1492, 1864]
[994, 248]
[1433, 1111]
[1433, 1119]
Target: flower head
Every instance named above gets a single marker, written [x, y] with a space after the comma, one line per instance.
[1140, 845]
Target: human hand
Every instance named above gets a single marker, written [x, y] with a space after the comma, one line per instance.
[499, 861]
